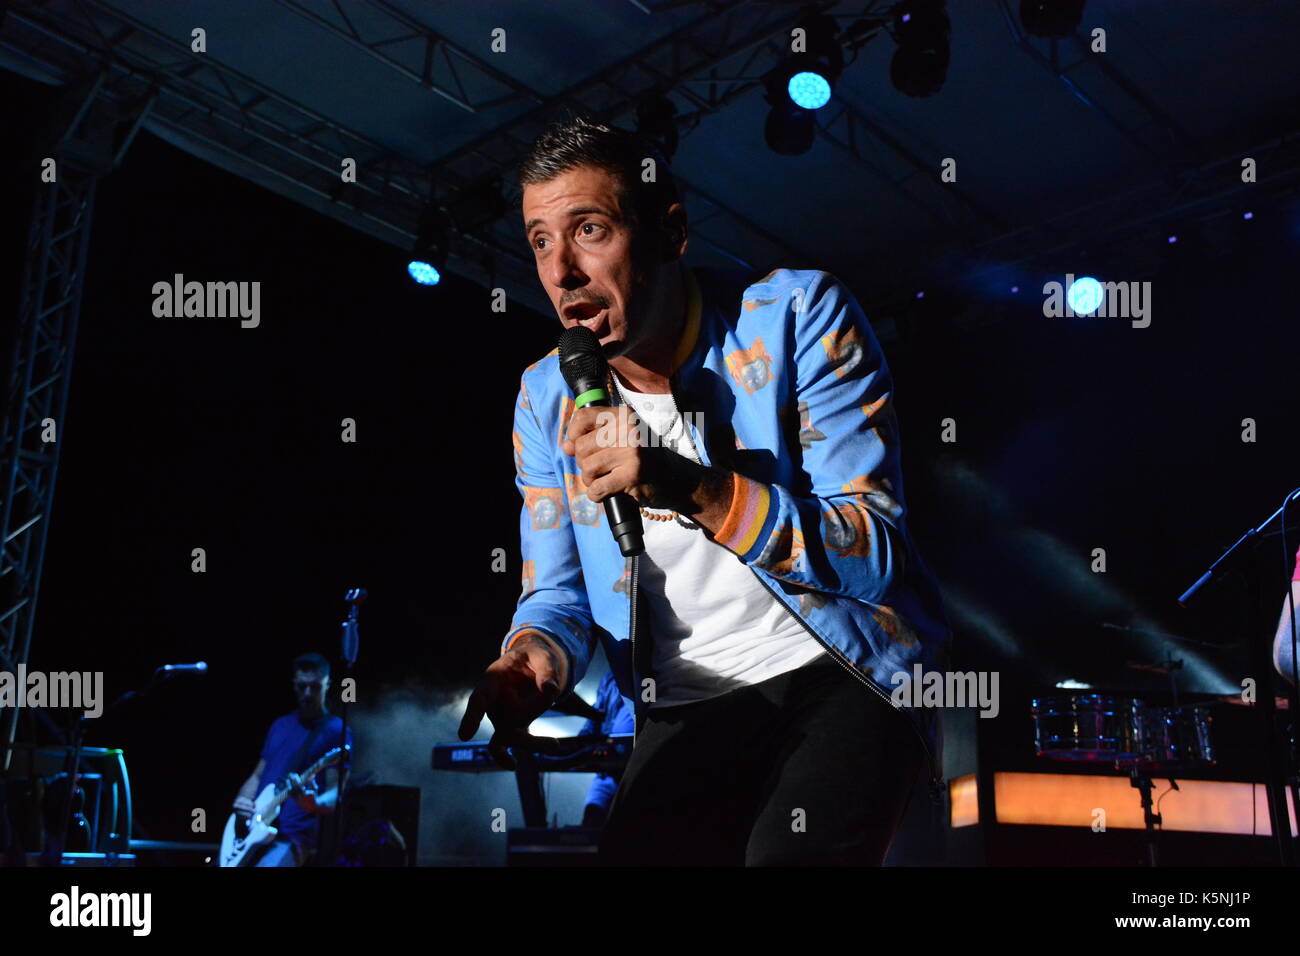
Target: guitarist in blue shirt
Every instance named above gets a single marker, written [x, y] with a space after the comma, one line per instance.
[293, 742]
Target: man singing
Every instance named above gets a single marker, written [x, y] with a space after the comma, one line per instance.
[779, 601]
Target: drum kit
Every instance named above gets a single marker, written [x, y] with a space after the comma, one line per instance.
[1122, 730]
[1144, 739]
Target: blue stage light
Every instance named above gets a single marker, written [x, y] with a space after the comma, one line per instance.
[808, 90]
[423, 272]
[1085, 295]
[801, 84]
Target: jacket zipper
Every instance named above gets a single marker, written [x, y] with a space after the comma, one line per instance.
[935, 783]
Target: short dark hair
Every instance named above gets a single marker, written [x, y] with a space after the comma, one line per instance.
[312, 663]
[579, 141]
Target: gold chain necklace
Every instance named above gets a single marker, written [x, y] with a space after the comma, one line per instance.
[653, 516]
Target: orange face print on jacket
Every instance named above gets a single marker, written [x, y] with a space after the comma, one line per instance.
[846, 530]
[751, 368]
[581, 508]
[517, 441]
[843, 350]
[566, 413]
[545, 507]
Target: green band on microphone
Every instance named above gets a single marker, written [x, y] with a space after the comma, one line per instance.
[589, 396]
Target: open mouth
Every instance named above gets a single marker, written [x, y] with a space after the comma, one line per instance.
[589, 316]
[584, 313]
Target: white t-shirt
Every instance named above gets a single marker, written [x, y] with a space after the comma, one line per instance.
[714, 626]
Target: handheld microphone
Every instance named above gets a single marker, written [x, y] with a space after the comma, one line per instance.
[585, 370]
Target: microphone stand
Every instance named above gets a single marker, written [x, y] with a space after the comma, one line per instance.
[56, 842]
[350, 645]
[1279, 762]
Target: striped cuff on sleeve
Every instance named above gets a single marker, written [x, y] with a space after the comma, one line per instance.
[750, 520]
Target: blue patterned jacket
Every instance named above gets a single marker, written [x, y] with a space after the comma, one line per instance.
[795, 398]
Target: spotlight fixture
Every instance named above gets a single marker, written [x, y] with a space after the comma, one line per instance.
[789, 130]
[920, 64]
[1085, 295]
[1051, 19]
[809, 90]
[811, 73]
[429, 254]
[802, 84]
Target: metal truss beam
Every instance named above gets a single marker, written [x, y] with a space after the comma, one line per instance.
[228, 118]
[1193, 191]
[417, 52]
[671, 64]
[849, 128]
[210, 108]
[36, 401]
[1116, 221]
[1178, 142]
[499, 150]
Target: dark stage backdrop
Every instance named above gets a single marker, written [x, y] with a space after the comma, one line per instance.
[187, 433]
[1072, 434]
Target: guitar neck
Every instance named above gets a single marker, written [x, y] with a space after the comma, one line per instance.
[282, 792]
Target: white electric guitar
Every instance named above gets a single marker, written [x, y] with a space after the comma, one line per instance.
[240, 839]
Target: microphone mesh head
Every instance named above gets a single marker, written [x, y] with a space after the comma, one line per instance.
[582, 363]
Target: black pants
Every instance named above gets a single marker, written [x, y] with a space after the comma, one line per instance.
[807, 768]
